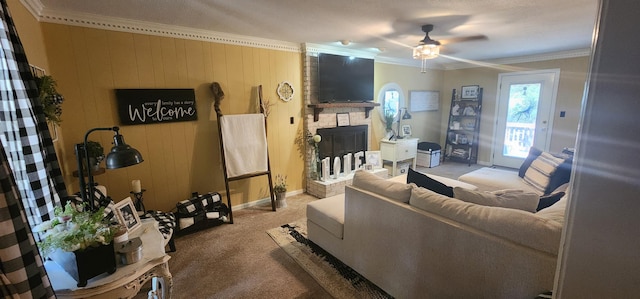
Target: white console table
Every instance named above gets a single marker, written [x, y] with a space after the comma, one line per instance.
[127, 280]
[399, 150]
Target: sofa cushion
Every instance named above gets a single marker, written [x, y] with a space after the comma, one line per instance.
[539, 173]
[548, 200]
[424, 181]
[328, 213]
[373, 183]
[490, 179]
[508, 198]
[518, 226]
[533, 154]
[556, 211]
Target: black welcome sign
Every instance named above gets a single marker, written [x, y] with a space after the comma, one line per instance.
[148, 106]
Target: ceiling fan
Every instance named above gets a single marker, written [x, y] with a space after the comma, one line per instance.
[429, 48]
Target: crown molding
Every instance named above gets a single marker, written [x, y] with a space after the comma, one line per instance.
[35, 7]
[132, 26]
[519, 59]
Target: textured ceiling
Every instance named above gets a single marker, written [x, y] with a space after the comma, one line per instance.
[492, 29]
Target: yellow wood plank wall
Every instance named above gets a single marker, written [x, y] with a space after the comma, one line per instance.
[180, 158]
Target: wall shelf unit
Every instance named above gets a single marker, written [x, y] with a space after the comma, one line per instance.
[463, 130]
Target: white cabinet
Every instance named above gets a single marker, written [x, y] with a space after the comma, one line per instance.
[395, 151]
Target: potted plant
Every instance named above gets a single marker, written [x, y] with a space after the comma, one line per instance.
[280, 189]
[81, 242]
[50, 98]
[389, 117]
[95, 152]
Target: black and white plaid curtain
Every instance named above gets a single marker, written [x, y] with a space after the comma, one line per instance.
[30, 175]
[22, 273]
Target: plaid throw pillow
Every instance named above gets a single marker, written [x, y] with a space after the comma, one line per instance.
[540, 171]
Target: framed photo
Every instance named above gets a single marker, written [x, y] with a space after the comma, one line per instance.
[373, 158]
[406, 130]
[127, 214]
[343, 119]
[469, 92]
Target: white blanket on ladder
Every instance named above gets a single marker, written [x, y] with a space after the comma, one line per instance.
[245, 143]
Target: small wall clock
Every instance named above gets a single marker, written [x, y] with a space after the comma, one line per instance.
[285, 91]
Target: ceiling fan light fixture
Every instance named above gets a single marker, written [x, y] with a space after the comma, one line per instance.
[426, 51]
[427, 48]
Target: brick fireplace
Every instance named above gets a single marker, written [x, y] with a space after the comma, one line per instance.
[323, 116]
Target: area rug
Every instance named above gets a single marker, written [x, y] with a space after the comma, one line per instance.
[335, 277]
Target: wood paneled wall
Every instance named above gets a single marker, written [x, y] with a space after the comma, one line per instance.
[184, 157]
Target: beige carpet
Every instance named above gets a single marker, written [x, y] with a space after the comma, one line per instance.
[240, 260]
[322, 269]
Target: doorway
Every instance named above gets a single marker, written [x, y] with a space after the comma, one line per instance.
[526, 105]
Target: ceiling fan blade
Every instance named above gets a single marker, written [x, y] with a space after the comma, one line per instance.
[463, 39]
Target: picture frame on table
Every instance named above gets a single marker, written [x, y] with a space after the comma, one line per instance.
[127, 214]
[373, 158]
[343, 119]
[469, 92]
[406, 130]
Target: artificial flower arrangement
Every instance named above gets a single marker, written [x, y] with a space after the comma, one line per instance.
[314, 140]
[73, 230]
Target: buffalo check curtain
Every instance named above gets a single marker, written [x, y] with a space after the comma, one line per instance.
[30, 176]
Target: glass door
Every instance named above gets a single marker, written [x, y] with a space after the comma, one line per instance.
[525, 112]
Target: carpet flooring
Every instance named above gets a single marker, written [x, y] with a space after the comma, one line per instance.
[338, 279]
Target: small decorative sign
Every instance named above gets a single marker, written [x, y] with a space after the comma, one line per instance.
[343, 119]
[148, 106]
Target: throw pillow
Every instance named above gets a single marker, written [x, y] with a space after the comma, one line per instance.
[560, 176]
[539, 173]
[424, 181]
[548, 200]
[508, 198]
[533, 154]
[371, 182]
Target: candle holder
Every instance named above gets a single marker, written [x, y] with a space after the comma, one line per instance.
[139, 202]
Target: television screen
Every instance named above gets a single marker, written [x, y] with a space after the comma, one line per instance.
[344, 79]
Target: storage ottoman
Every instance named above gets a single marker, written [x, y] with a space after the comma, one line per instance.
[428, 158]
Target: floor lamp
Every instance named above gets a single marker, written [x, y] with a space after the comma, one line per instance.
[121, 155]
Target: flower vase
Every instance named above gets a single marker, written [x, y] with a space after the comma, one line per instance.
[315, 161]
[85, 264]
[281, 200]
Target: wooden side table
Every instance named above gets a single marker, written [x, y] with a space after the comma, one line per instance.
[397, 151]
[128, 279]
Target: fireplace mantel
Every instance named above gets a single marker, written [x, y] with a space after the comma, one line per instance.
[317, 108]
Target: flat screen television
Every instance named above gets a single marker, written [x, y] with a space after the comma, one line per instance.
[344, 79]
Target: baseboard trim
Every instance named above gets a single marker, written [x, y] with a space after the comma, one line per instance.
[266, 200]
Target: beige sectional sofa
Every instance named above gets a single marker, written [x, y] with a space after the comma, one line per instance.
[415, 243]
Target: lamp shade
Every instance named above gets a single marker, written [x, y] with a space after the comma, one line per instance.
[406, 115]
[122, 155]
[426, 51]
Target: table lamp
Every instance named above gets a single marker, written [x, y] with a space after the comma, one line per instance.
[121, 155]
